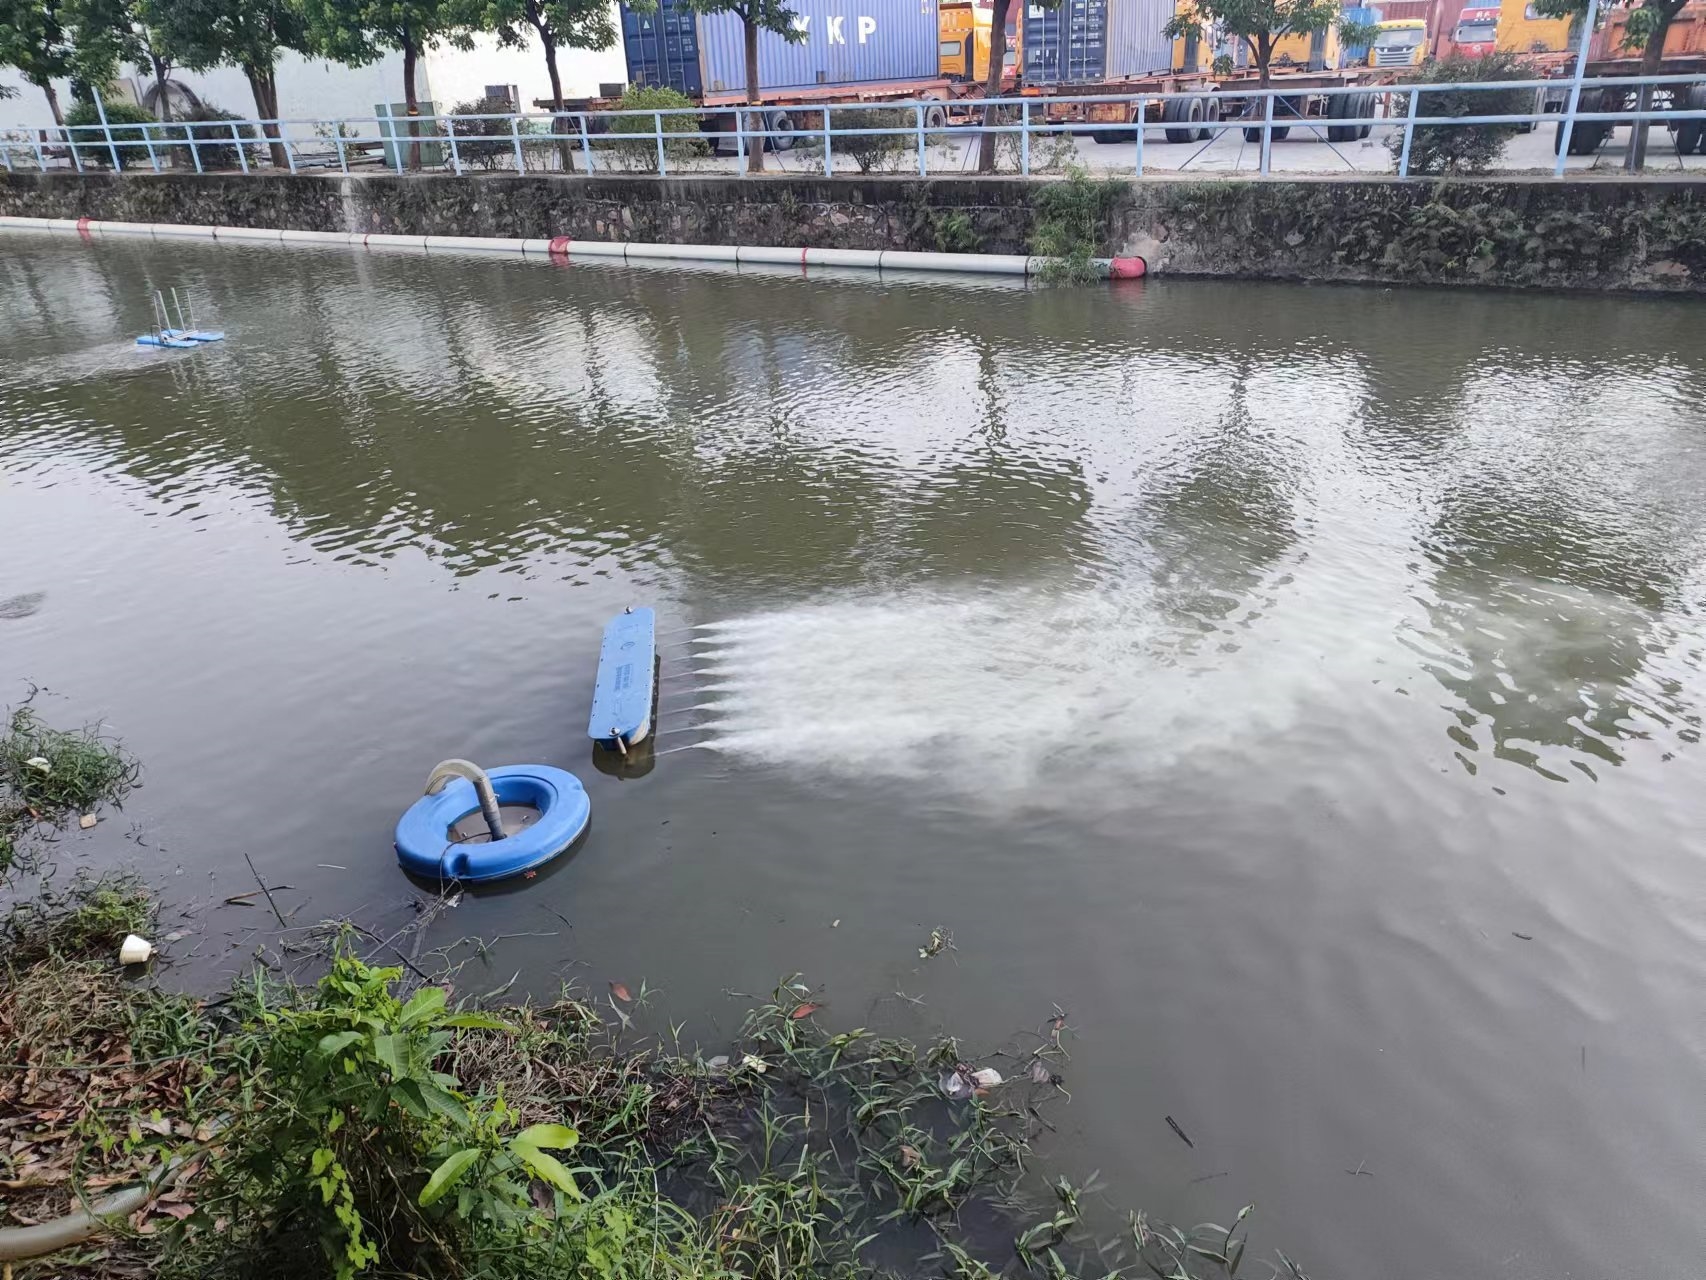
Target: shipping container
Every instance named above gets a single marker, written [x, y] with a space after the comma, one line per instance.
[1686, 37]
[1085, 41]
[662, 47]
[1392, 10]
[1354, 55]
[846, 42]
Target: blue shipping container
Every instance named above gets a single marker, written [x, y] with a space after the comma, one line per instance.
[846, 42]
[1354, 55]
[662, 47]
[1084, 41]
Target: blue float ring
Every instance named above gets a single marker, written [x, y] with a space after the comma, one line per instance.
[425, 848]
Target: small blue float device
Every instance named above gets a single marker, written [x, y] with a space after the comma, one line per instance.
[183, 334]
[523, 815]
[626, 684]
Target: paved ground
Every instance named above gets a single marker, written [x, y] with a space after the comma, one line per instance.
[1303, 152]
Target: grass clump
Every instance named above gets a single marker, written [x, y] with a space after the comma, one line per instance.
[85, 922]
[47, 775]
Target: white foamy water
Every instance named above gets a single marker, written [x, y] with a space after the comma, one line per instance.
[1005, 693]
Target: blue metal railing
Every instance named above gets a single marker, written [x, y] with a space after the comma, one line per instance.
[618, 140]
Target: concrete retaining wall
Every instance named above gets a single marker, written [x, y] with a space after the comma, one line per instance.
[1599, 233]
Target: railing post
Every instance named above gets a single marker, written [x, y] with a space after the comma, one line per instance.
[1025, 138]
[1267, 132]
[242, 154]
[6, 150]
[396, 141]
[740, 140]
[41, 156]
[1409, 133]
[284, 141]
[657, 123]
[194, 139]
[1140, 122]
[918, 125]
[101, 110]
[515, 137]
[338, 137]
[455, 155]
[586, 143]
[148, 141]
[828, 146]
[1576, 89]
[70, 141]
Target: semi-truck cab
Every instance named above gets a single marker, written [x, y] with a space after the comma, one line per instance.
[1477, 31]
[1399, 42]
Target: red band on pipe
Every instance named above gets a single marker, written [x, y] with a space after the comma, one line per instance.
[1126, 268]
[802, 259]
[560, 246]
[83, 227]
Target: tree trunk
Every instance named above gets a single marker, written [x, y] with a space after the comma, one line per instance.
[1651, 57]
[564, 149]
[263, 85]
[162, 103]
[412, 102]
[754, 150]
[46, 87]
[987, 142]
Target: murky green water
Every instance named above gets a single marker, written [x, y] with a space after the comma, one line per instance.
[1239, 667]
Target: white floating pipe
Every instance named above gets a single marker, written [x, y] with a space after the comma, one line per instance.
[565, 247]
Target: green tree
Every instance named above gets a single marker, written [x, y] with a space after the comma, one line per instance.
[559, 24]
[359, 32]
[773, 16]
[1649, 22]
[246, 34]
[1262, 24]
[48, 40]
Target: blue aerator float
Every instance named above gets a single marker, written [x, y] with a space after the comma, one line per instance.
[626, 683]
[531, 813]
[164, 334]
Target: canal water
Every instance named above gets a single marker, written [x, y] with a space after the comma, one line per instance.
[1298, 687]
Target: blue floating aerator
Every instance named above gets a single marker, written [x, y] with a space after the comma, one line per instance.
[182, 335]
[531, 812]
[623, 691]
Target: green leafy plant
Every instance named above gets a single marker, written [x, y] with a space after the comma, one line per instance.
[124, 120]
[485, 144]
[353, 1107]
[640, 155]
[1466, 148]
[215, 139]
[1072, 217]
[874, 152]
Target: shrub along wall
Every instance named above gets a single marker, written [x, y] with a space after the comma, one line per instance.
[1599, 233]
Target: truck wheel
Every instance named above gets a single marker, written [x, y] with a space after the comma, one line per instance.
[1252, 135]
[1341, 107]
[781, 126]
[1691, 134]
[1108, 138]
[1584, 138]
[1179, 110]
[1365, 109]
[1210, 114]
[935, 118]
[1280, 134]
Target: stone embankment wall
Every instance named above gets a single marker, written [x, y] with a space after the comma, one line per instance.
[1591, 233]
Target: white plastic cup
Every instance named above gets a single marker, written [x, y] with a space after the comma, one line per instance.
[135, 950]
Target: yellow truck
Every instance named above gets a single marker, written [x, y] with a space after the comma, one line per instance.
[1399, 42]
[964, 27]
